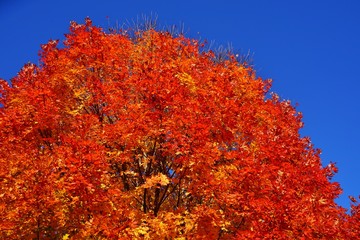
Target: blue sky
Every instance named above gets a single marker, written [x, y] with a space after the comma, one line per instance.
[309, 48]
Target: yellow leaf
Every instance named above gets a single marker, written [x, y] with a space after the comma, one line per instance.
[155, 180]
[187, 80]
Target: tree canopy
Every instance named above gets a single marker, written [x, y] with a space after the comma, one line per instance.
[144, 135]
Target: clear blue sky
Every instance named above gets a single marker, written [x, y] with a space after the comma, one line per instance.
[311, 50]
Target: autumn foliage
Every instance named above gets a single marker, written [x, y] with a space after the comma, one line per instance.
[143, 135]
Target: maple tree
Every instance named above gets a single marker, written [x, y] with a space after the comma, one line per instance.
[144, 136]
